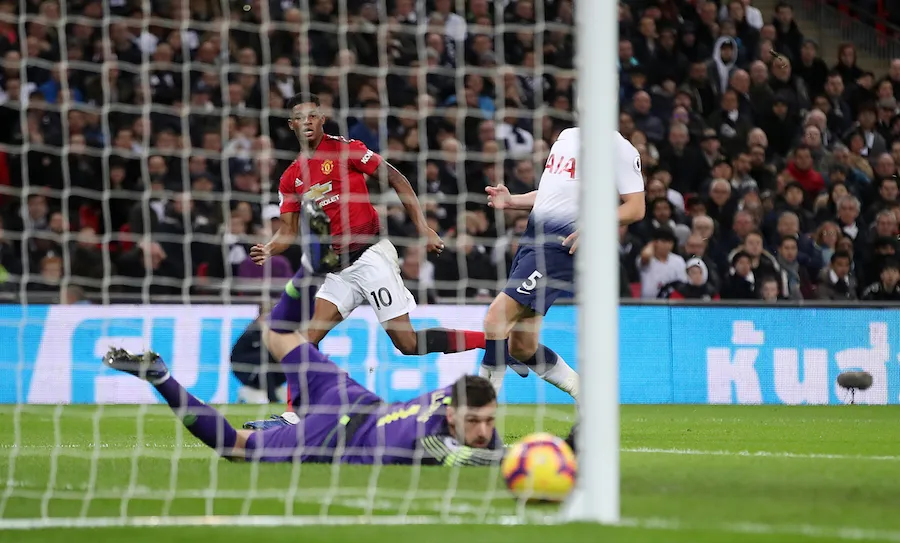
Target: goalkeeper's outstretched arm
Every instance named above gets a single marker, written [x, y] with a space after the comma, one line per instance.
[443, 450]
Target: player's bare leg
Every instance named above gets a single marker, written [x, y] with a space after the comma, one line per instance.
[431, 340]
[524, 337]
[325, 317]
[514, 329]
[502, 315]
[525, 346]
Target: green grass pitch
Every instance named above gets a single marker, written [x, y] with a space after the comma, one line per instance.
[689, 473]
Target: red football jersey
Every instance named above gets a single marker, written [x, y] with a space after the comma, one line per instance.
[335, 177]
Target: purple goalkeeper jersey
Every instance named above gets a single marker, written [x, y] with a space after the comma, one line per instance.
[339, 417]
[398, 433]
[390, 435]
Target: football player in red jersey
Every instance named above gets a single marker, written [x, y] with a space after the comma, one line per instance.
[331, 171]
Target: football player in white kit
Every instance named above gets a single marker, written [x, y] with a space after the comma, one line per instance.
[544, 265]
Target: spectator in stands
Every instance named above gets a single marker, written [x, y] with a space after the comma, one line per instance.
[740, 283]
[811, 68]
[846, 64]
[721, 205]
[744, 223]
[836, 282]
[10, 260]
[788, 225]
[821, 157]
[802, 169]
[789, 37]
[697, 286]
[779, 125]
[716, 120]
[886, 199]
[697, 247]
[73, 295]
[644, 120]
[369, 128]
[660, 213]
[880, 250]
[795, 279]
[658, 265]
[762, 261]
[86, 266]
[418, 274]
[769, 290]
[826, 239]
[887, 288]
[50, 274]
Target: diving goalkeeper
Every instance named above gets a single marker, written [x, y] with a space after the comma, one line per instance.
[337, 418]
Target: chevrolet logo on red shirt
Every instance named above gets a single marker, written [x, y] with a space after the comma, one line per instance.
[317, 192]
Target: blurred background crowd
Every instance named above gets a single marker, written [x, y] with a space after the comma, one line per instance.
[142, 142]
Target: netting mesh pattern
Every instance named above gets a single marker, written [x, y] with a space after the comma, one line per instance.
[141, 146]
[143, 141]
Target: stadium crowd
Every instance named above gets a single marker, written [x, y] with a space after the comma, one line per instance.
[153, 142]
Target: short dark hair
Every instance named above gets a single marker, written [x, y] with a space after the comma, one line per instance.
[477, 391]
[840, 254]
[785, 239]
[783, 4]
[303, 98]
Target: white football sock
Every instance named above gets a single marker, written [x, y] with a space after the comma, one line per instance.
[494, 375]
[563, 377]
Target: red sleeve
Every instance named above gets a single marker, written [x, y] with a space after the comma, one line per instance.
[716, 297]
[675, 295]
[290, 187]
[363, 159]
[820, 180]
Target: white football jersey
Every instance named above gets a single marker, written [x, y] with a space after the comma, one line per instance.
[557, 203]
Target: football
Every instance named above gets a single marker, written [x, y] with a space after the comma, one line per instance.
[540, 467]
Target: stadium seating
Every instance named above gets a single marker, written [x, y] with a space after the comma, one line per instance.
[146, 143]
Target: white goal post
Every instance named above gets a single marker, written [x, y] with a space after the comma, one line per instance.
[596, 497]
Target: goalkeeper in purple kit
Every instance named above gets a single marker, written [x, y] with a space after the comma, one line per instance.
[337, 419]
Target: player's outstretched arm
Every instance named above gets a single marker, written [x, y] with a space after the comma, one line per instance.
[632, 209]
[437, 451]
[500, 198]
[410, 202]
[280, 242]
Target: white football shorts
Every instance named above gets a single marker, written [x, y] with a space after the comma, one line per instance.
[374, 279]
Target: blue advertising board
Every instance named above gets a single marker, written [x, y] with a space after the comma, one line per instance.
[667, 354]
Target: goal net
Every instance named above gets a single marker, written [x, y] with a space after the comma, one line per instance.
[140, 160]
